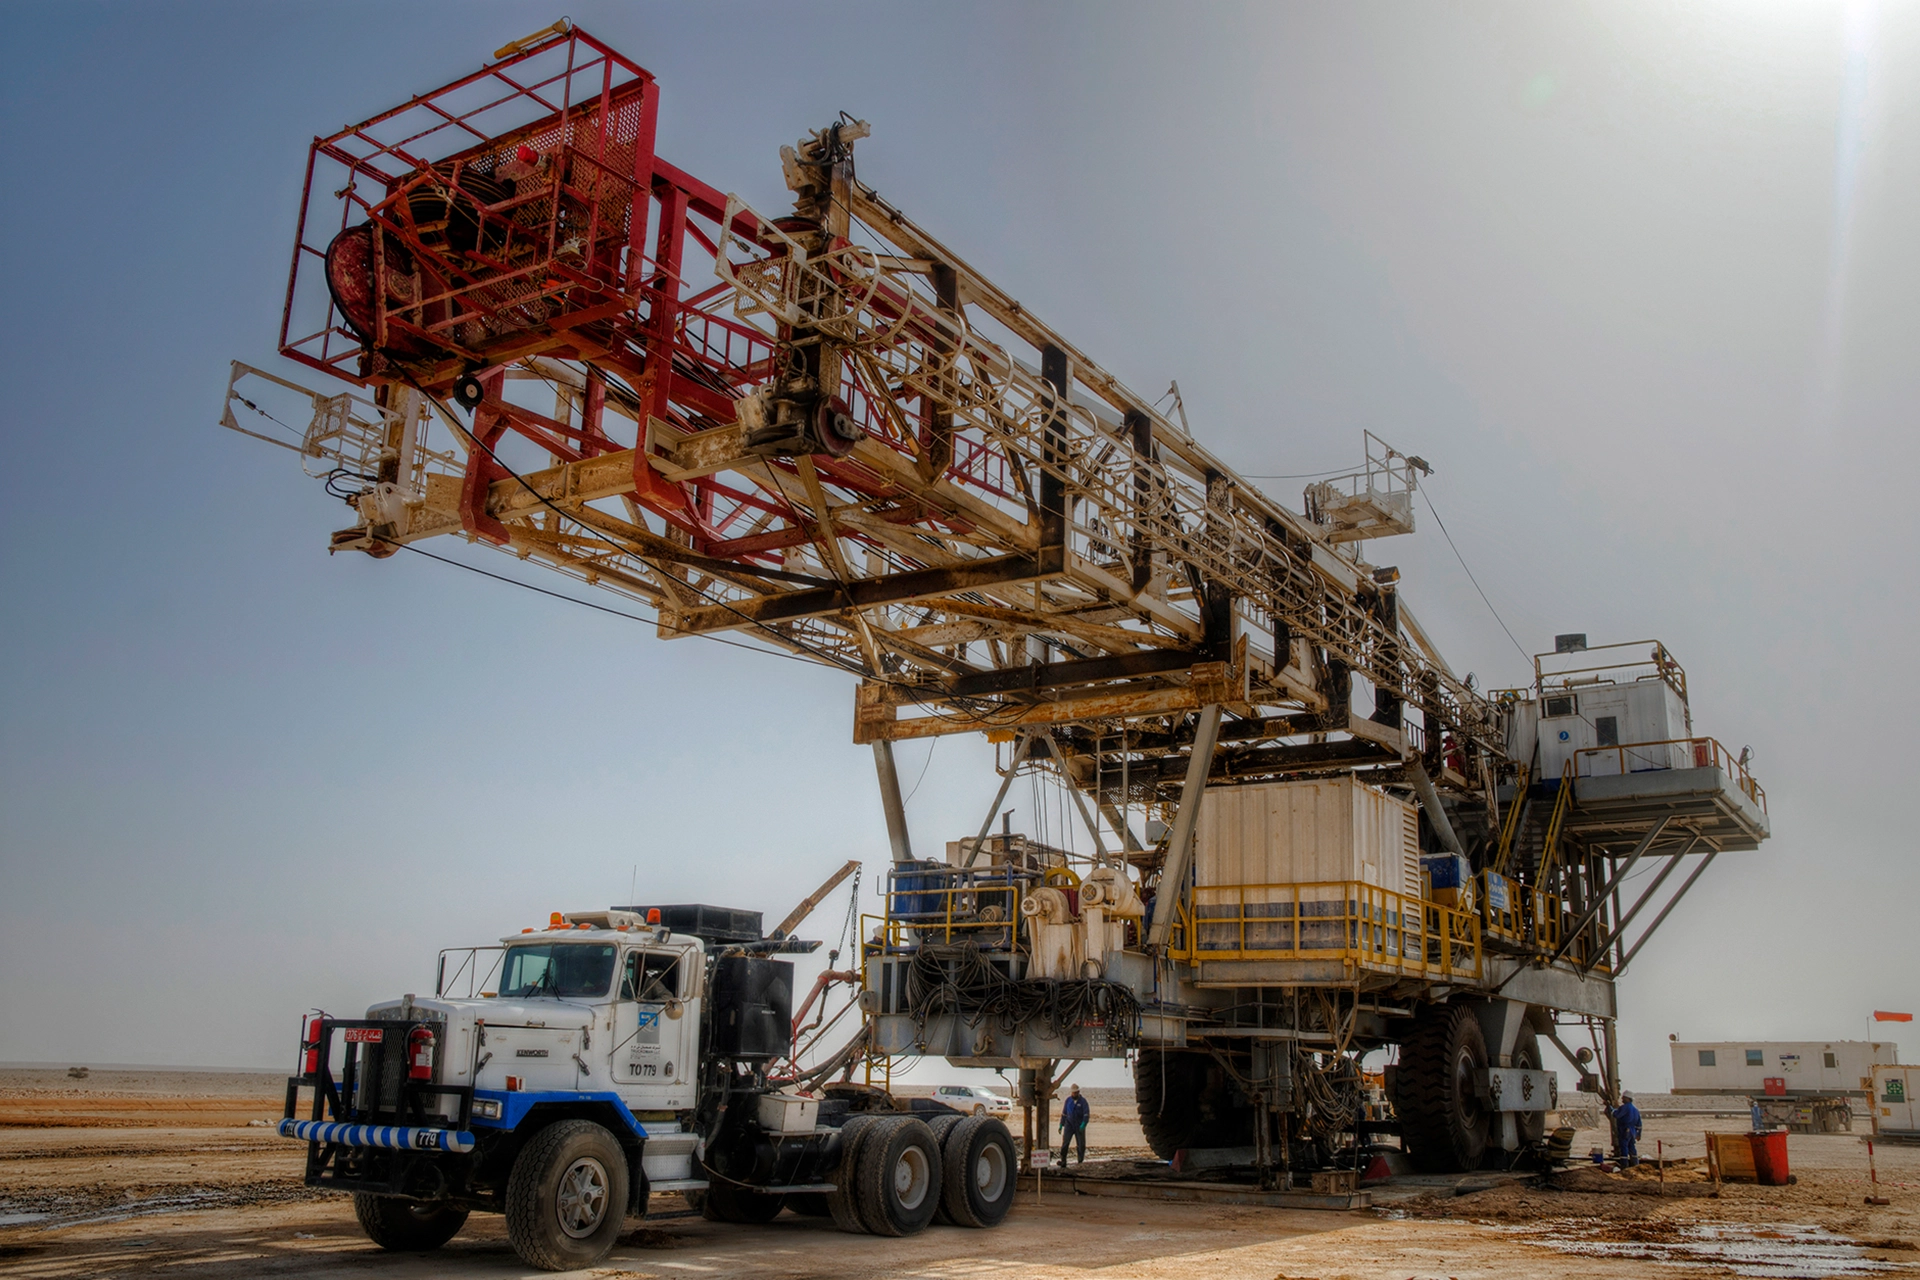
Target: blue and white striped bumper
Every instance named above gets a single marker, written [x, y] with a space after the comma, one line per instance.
[393, 1137]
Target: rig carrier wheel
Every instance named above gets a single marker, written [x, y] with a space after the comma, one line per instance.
[725, 1202]
[1441, 1120]
[1186, 1100]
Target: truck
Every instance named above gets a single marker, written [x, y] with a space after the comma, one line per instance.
[618, 1054]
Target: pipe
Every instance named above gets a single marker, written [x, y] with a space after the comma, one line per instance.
[1173, 875]
[820, 984]
[1430, 801]
[890, 801]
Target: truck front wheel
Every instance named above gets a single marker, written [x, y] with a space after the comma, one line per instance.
[567, 1196]
[406, 1226]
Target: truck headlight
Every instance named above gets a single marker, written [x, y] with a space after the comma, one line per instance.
[486, 1108]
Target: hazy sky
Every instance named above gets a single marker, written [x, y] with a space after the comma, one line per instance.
[1641, 280]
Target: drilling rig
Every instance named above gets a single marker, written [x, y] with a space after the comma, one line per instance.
[819, 430]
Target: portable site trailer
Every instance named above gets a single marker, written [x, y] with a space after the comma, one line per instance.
[1781, 1068]
[1806, 1086]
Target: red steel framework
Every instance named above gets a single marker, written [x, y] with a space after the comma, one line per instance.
[508, 216]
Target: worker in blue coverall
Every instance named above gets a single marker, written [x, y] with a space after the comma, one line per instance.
[1074, 1114]
[1626, 1131]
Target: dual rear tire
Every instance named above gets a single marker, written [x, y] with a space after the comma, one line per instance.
[898, 1174]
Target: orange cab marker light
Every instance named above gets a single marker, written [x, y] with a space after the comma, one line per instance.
[528, 929]
[653, 915]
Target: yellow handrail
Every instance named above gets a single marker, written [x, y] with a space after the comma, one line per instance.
[1348, 921]
[1707, 753]
[1510, 825]
[1562, 805]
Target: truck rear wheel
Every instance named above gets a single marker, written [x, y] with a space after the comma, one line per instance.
[1186, 1100]
[406, 1226]
[941, 1127]
[899, 1177]
[725, 1202]
[567, 1196]
[978, 1173]
[1441, 1120]
[843, 1202]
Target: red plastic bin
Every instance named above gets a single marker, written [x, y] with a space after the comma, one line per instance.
[1770, 1158]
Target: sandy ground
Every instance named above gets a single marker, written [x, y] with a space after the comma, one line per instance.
[161, 1174]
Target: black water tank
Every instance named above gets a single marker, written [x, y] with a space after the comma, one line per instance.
[752, 1007]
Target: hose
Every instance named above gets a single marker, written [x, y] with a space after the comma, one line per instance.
[958, 979]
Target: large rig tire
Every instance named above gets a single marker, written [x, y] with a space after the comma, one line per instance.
[725, 1202]
[567, 1196]
[1186, 1100]
[843, 1202]
[406, 1226]
[979, 1166]
[1526, 1053]
[1442, 1122]
[899, 1177]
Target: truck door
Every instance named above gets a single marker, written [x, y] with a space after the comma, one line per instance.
[652, 1061]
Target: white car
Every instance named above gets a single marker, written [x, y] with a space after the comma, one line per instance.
[980, 1102]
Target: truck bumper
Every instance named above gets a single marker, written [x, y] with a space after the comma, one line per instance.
[390, 1137]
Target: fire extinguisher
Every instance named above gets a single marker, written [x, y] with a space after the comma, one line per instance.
[311, 1065]
[420, 1043]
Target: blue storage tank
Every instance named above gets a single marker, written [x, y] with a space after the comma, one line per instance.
[914, 890]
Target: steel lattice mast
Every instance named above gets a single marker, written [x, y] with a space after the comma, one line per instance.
[828, 432]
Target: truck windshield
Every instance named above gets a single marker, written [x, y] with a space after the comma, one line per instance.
[558, 969]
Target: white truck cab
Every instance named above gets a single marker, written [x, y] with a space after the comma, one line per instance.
[587, 1005]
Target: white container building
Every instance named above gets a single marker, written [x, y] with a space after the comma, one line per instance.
[1605, 728]
[1797, 1066]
